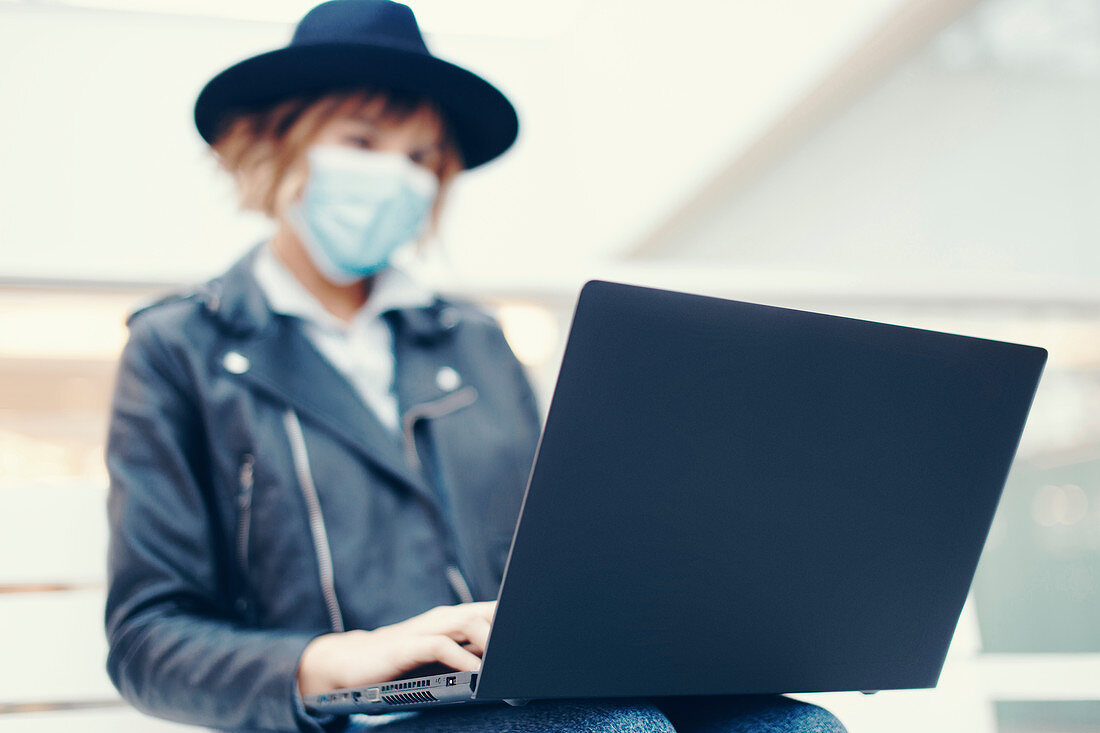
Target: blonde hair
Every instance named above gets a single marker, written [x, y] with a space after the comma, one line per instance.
[264, 150]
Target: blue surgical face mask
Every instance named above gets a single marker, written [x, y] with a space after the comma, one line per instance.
[357, 207]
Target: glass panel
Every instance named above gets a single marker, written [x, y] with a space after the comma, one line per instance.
[1048, 717]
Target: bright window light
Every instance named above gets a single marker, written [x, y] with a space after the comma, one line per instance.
[531, 331]
[479, 18]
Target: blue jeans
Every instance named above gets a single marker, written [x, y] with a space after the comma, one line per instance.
[732, 714]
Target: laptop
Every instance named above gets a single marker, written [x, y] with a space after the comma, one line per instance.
[732, 498]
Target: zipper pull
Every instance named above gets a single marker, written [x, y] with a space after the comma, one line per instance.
[244, 509]
[244, 477]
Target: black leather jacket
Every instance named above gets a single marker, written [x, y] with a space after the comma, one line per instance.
[256, 503]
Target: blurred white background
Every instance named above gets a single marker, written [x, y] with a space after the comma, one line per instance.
[927, 162]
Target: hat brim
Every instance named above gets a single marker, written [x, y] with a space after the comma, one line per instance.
[481, 118]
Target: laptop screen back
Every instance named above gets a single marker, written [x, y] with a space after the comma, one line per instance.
[736, 498]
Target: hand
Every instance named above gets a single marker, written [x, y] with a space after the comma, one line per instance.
[356, 658]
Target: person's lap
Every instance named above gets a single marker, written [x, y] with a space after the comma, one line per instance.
[733, 714]
[747, 713]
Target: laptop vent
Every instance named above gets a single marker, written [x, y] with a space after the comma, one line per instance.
[406, 698]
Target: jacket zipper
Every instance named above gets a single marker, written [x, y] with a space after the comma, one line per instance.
[316, 520]
[244, 510]
[458, 583]
[445, 405]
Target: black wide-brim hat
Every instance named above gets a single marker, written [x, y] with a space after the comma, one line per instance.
[344, 44]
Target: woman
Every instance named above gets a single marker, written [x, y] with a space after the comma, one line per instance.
[313, 445]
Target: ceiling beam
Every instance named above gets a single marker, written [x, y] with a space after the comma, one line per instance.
[901, 36]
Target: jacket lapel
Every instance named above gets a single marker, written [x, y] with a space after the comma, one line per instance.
[288, 367]
[284, 364]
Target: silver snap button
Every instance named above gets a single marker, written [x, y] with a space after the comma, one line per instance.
[448, 318]
[235, 363]
[447, 379]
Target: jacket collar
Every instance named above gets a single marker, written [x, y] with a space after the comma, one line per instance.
[281, 361]
[237, 303]
[391, 289]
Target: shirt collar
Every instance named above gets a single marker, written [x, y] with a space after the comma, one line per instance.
[391, 289]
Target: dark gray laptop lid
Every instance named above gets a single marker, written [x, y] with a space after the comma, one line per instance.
[737, 498]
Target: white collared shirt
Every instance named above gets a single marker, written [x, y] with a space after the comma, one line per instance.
[361, 350]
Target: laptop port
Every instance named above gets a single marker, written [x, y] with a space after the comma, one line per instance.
[452, 681]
